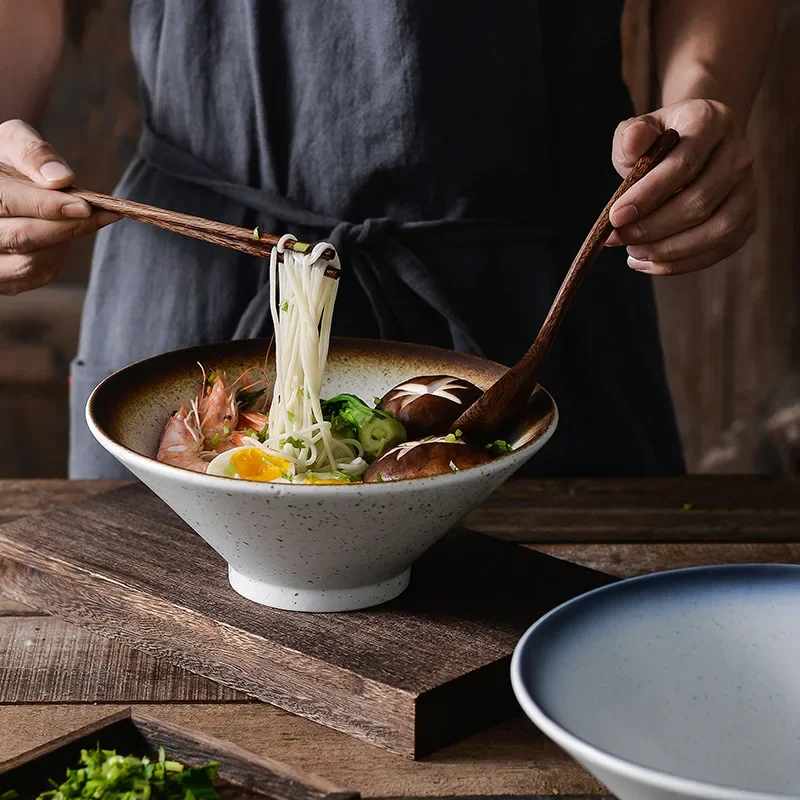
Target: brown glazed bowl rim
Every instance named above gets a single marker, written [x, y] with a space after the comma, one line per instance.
[542, 409]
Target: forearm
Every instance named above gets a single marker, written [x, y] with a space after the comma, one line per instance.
[714, 49]
[31, 40]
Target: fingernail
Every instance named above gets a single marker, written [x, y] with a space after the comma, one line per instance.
[76, 210]
[639, 266]
[106, 218]
[55, 171]
[613, 240]
[623, 216]
[638, 252]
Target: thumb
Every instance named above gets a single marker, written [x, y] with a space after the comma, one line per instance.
[21, 147]
[632, 139]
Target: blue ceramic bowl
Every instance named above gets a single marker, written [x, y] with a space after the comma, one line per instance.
[681, 684]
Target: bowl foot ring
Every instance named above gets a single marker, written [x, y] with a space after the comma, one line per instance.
[291, 598]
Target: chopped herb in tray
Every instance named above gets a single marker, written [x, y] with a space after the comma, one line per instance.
[104, 775]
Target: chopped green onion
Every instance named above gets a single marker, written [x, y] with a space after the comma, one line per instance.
[263, 434]
[290, 416]
[256, 234]
[428, 438]
[103, 773]
[214, 439]
[377, 401]
[453, 467]
[251, 433]
[284, 306]
[687, 506]
[300, 247]
[499, 447]
[457, 433]
[226, 431]
[450, 438]
[379, 478]
[293, 441]
[212, 376]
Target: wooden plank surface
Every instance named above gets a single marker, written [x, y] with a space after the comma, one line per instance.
[703, 492]
[20, 498]
[43, 659]
[510, 759]
[537, 509]
[131, 731]
[11, 608]
[629, 560]
[528, 524]
[411, 675]
[695, 509]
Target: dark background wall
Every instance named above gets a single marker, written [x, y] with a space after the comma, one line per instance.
[731, 334]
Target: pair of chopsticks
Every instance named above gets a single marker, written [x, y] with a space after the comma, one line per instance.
[231, 236]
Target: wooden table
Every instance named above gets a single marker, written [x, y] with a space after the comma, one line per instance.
[54, 676]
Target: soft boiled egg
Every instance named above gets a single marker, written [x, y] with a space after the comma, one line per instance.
[250, 463]
[324, 478]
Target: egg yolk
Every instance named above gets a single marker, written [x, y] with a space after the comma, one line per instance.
[322, 481]
[253, 464]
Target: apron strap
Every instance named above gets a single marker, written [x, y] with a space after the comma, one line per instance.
[391, 275]
[383, 266]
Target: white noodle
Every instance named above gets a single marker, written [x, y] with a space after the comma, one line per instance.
[301, 301]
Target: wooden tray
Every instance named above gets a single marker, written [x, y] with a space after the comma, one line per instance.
[411, 676]
[243, 775]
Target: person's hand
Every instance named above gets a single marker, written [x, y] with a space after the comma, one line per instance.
[698, 206]
[37, 223]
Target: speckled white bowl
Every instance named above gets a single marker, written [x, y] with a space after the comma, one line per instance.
[299, 547]
[680, 685]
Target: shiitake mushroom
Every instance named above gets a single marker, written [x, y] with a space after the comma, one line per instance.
[425, 457]
[429, 404]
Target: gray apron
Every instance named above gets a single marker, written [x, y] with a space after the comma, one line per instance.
[455, 154]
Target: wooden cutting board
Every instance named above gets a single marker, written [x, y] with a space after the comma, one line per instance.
[243, 775]
[411, 676]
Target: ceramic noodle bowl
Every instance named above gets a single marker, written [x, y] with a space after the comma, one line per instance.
[296, 546]
[680, 685]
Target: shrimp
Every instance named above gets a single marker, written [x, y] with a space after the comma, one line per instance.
[181, 442]
[193, 436]
[250, 422]
[218, 411]
[254, 420]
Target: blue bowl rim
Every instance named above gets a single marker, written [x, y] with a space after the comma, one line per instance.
[591, 753]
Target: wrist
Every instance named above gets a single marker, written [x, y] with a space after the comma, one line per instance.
[699, 82]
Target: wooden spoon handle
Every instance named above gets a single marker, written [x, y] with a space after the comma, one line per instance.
[589, 251]
[504, 400]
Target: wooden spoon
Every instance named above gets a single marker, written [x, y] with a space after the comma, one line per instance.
[494, 413]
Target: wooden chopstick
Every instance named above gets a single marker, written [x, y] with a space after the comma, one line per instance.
[241, 239]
